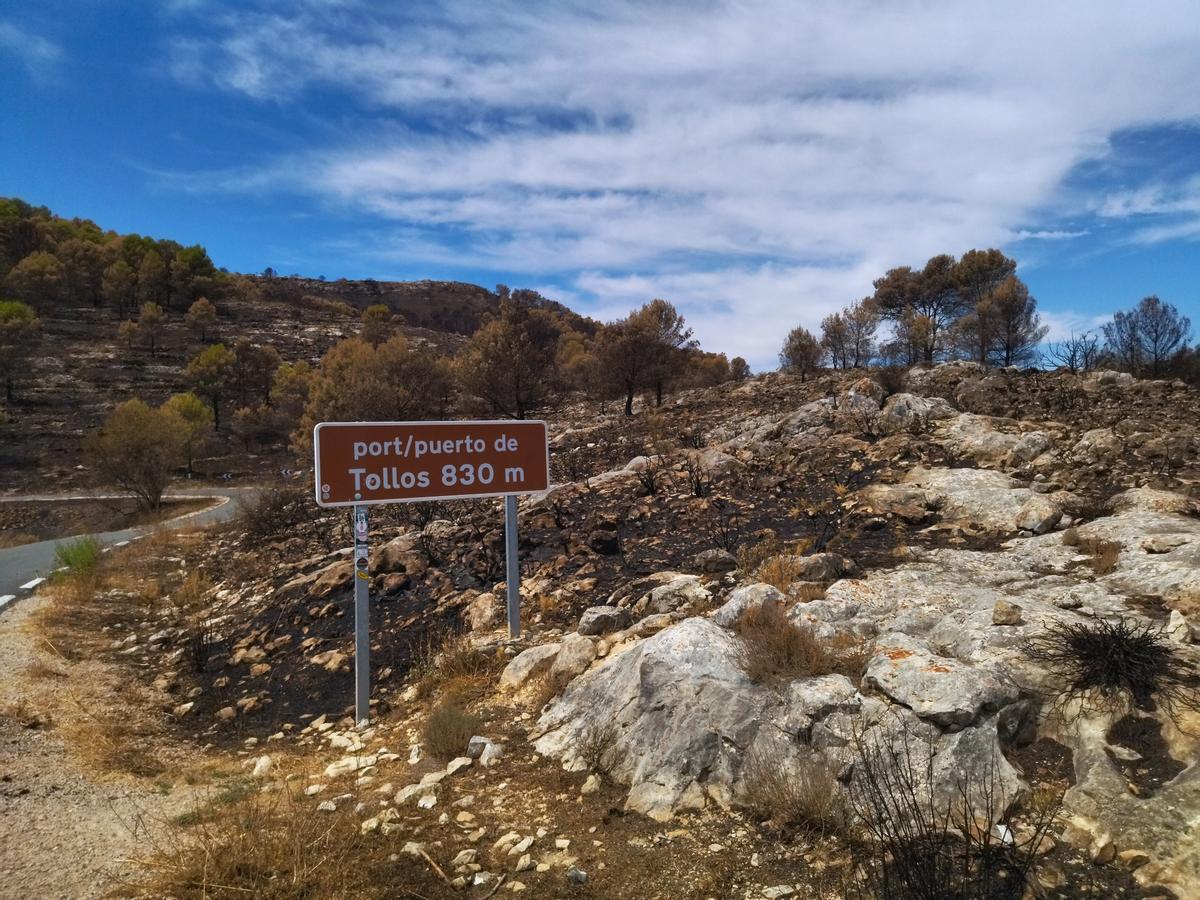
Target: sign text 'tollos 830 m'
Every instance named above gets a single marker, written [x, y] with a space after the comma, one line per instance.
[395, 462]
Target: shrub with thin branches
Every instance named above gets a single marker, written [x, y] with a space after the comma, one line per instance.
[1105, 664]
[925, 845]
[448, 730]
[805, 798]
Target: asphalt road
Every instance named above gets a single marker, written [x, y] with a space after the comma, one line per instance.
[20, 566]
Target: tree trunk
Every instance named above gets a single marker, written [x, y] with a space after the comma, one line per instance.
[658, 392]
[629, 401]
[8, 389]
[216, 414]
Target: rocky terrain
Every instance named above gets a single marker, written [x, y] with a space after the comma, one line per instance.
[767, 594]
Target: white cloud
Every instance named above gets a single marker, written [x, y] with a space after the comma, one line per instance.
[755, 162]
[37, 54]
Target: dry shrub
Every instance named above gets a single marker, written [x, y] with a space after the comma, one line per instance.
[453, 665]
[542, 690]
[596, 746]
[922, 845]
[273, 846]
[1104, 556]
[23, 713]
[1070, 537]
[751, 556]
[807, 591]
[773, 647]
[448, 730]
[16, 539]
[780, 571]
[807, 798]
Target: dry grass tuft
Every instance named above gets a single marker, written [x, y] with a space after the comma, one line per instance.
[772, 647]
[448, 730]
[273, 846]
[456, 667]
[808, 799]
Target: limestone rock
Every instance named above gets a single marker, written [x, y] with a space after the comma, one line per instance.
[1006, 613]
[1038, 514]
[602, 619]
[574, 656]
[744, 599]
[528, 664]
[715, 561]
[941, 689]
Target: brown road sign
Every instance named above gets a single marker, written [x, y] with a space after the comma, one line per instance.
[396, 462]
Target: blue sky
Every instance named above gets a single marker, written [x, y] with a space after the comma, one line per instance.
[755, 162]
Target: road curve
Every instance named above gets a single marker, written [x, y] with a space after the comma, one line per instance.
[19, 566]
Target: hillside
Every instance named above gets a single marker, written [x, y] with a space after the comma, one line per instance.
[82, 368]
[654, 734]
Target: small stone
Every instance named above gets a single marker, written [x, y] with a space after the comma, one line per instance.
[465, 857]
[183, 709]
[516, 886]
[262, 767]
[561, 843]
[1178, 628]
[313, 789]
[1006, 613]
[327, 806]
[1104, 852]
[458, 764]
[1133, 858]
[590, 785]
[780, 890]
[226, 713]
[521, 846]
[524, 864]
[370, 826]
[429, 801]
[576, 876]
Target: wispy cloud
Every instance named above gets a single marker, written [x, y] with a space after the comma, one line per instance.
[756, 162]
[40, 56]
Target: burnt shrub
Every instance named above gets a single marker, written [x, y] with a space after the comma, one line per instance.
[1104, 664]
[922, 844]
[448, 730]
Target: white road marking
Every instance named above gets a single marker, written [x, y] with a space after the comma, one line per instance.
[7, 599]
[30, 585]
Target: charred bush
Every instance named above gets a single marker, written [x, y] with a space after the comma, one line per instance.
[1105, 664]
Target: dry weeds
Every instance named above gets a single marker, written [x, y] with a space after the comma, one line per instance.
[808, 799]
[772, 647]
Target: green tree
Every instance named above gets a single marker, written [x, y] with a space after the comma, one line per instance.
[195, 421]
[801, 352]
[136, 449]
[930, 297]
[201, 317]
[20, 333]
[192, 275]
[210, 373]
[37, 280]
[739, 369]
[118, 284]
[377, 324]
[152, 279]
[509, 363]
[82, 267]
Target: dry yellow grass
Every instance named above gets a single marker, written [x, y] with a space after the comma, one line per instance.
[807, 799]
[772, 647]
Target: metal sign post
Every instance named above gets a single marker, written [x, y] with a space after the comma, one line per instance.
[357, 464]
[512, 566]
[362, 624]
